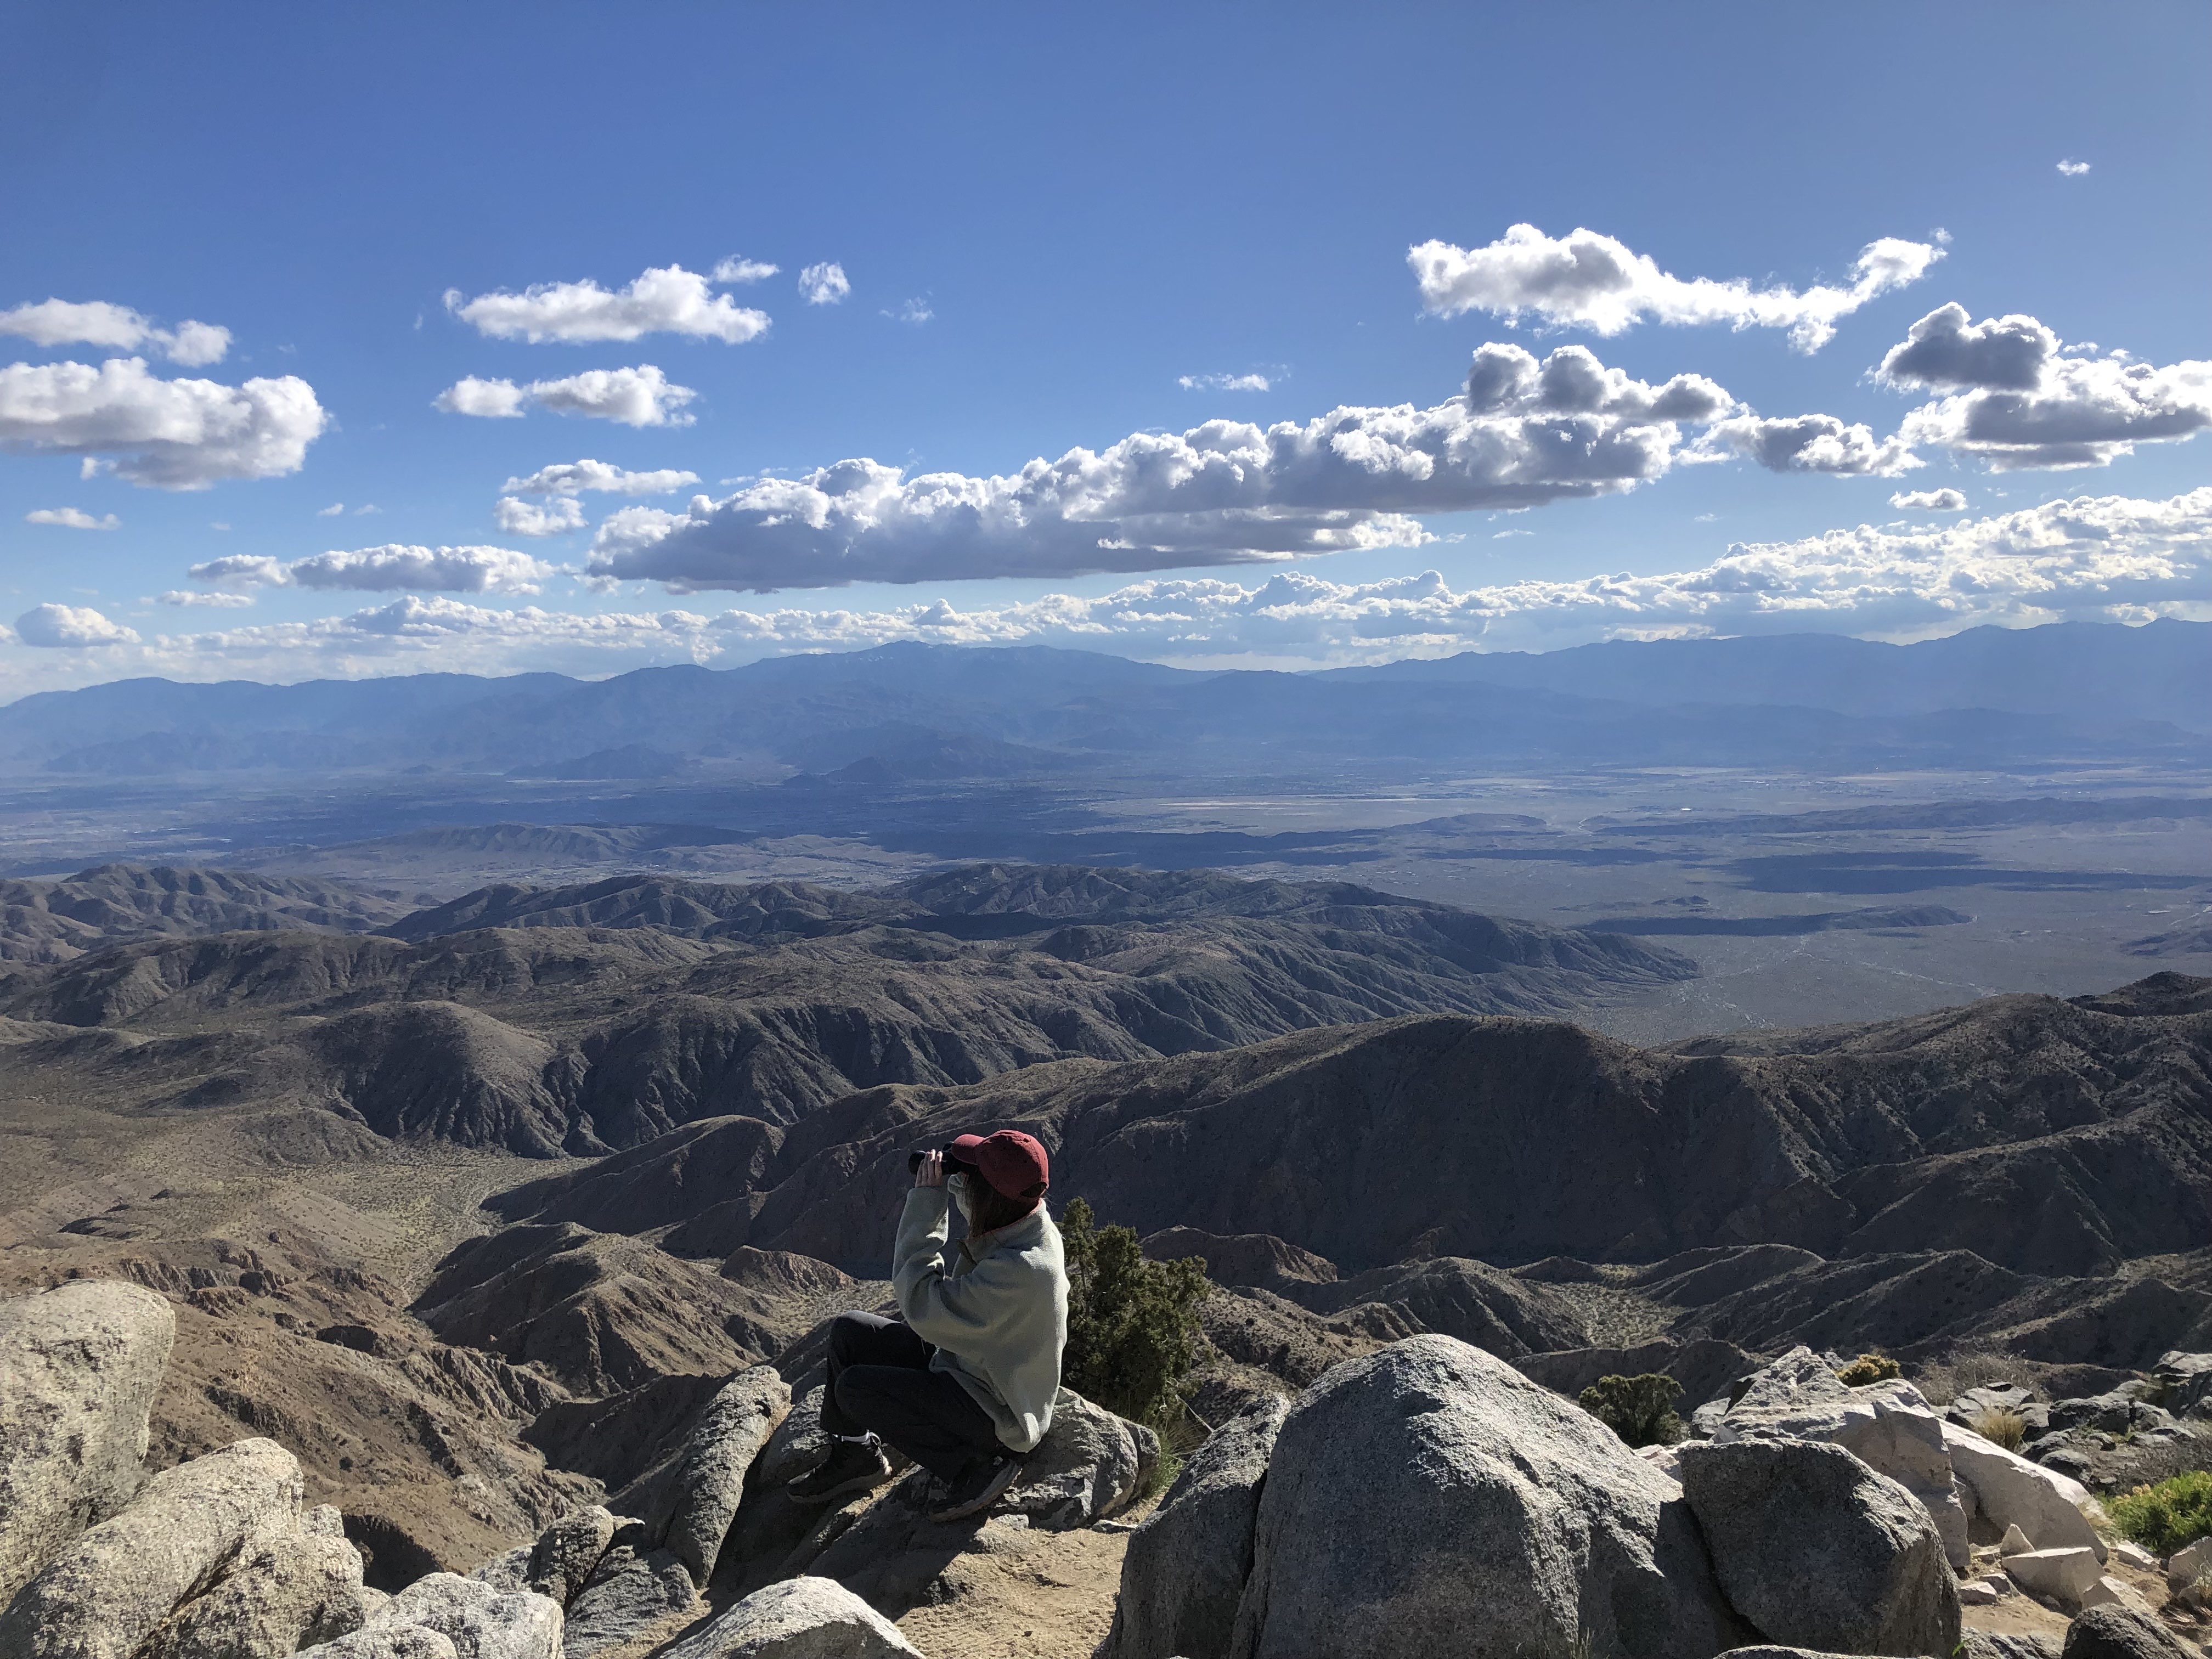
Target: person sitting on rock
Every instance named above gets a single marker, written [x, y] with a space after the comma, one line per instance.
[963, 1383]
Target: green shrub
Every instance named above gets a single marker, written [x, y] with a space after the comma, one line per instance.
[2007, 1429]
[1639, 1409]
[1133, 1333]
[2168, 1516]
[1870, 1368]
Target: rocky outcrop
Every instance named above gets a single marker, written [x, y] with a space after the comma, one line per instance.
[481, 1622]
[1088, 1466]
[1492, 1515]
[286, 1593]
[2003, 1489]
[2116, 1633]
[2185, 1382]
[562, 1559]
[632, 1588]
[387, 1641]
[79, 1369]
[690, 1501]
[1187, 1564]
[1816, 1550]
[106, 1594]
[1889, 1427]
[799, 1618]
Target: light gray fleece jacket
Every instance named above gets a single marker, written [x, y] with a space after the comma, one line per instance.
[999, 1319]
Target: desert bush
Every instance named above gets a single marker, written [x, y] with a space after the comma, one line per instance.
[1870, 1368]
[1639, 1409]
[1133, 1331]
[2007, 1429]
[2168, 1516]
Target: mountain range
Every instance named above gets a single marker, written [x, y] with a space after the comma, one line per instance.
[910, 711]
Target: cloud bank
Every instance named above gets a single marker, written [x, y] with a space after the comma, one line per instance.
[113, 327]
[575, 477]
[1588, 281]
[1525, 433]
[2108, 558]
[2016, 402]
[665, 300]
[391, 568]
[172, 435]
[632, 397]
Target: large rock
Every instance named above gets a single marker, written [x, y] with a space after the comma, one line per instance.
[288, 1592]
[691, 1501]
[1818, 1551]
[2008, 1491]
[2064, 1576]
[1429, 1498]
[1186, 1565]
[771, 1522]
[2185, 1382]
[627, 1590]
[799, 1618]
[79, 1368]
[1088, 1466]
[2119, 1633]
[481, 1622]
[387, 1641]
[1889, 1427]
[562, 1559]
[107, 1593]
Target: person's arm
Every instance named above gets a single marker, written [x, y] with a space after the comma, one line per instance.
[947, 1311]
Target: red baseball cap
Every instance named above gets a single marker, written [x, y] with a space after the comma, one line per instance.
[1013, 1162]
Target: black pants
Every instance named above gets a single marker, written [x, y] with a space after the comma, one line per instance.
[880, 1381]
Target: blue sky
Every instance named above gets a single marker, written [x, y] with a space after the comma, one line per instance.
[1046, 221]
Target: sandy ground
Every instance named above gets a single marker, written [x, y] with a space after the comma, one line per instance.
[1024, 1596]
[2022, 1615]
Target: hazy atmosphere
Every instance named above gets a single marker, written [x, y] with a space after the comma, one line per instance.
[1487, 730]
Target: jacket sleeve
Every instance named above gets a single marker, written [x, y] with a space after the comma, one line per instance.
[950, 1312]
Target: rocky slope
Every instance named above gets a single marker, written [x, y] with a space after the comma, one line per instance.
[60, 921]
[593, 1018]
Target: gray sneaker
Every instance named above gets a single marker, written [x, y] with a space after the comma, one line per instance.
[852, 1466]
[980, 1484]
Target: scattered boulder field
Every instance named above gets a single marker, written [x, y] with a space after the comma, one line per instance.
[1425, 1492]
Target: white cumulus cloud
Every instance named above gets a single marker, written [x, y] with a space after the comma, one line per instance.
[61, 627]
[172, 435]
[556, 517]
[184, 598]
[1525, 433]
[823, 284]
[113, 327]
[634, 397]
[1814, 443]
[737, 268]
[1929, 500]
[71, 518]
[392, 569]
[1588, 281]
[667, 299]
[575, 477]
[2018, 401]
[1223, 382]
[2073, 169]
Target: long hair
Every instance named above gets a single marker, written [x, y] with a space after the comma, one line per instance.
[989, 1209]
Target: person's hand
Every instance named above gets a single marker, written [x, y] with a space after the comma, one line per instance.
[930, 1172]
